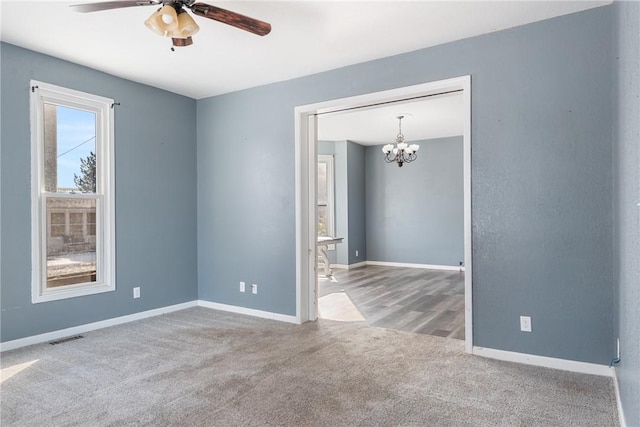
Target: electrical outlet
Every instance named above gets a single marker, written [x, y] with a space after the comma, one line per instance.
[525, 323]
[136, 292]
[618, 348]
[356, 252]
[254, 289]
[241, 286]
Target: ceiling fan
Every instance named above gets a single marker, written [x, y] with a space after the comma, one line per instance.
[172, 20]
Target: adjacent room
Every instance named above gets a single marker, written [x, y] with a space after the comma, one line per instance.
[186, 188]
[400, 259]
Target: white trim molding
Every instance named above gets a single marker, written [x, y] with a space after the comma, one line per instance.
[349, 266]
[411, 265]
[616, 387]
[75, 330]
[248, 311]
[544, 361]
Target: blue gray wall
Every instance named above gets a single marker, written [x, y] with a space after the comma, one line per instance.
[342, 200]
[356, 194]
[349, 200]
[155, 154]
[541, 181]
[415, 214]
[626, 136]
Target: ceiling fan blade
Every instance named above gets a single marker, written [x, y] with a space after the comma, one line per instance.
[231, 18]
[95, 7]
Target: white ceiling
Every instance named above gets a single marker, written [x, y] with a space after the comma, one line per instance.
[307, 37]
[432, 117]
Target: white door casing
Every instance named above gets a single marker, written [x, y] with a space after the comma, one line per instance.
[305, 173]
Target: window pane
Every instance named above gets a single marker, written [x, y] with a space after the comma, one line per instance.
[58, 223]
[71, 248]
[91, 223]
[69, 149]
[76, 224]
[322, 183]
[322, 221]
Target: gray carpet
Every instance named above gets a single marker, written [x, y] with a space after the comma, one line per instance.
[201, 367]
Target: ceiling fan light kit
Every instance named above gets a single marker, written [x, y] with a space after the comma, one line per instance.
[168, 22]
[171, 20]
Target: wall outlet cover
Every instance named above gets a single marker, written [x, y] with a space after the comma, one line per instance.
[136, 292]
[525, 323]
[254, 289]
[241, 286]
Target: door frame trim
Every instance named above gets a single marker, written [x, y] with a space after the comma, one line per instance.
[305, 181]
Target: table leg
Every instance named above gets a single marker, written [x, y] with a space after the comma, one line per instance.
[322, 251]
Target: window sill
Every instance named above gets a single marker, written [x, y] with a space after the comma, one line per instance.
[72, 291]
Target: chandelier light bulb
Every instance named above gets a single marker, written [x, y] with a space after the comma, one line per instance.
[168, 14]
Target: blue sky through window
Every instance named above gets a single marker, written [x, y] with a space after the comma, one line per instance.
[76, 139]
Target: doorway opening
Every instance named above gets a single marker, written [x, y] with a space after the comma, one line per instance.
[306, 119]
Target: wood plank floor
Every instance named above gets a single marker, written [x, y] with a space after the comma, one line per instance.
[416, 300]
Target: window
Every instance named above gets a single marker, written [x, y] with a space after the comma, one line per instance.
[326, 225]
[72, 213]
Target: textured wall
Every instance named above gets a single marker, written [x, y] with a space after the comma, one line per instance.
[415, 213]
[356, 193]
[626, 132]
[155, 197]
[342, 200]
[541, 181]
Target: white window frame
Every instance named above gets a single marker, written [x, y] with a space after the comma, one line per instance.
[331, 199]
[42, 93]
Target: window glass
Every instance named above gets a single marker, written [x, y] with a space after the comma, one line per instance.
[71, 255]
[325, 196]
[322, 221]
[69, 149]
[91, 223]
[322, 183]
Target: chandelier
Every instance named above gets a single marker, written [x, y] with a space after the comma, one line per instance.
[401, 153]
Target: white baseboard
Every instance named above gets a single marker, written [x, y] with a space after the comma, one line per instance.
[67, 332]
[410, 265]
[63, 333]
[349, 266]
[616, 386]
[547, 362]
[248, 311]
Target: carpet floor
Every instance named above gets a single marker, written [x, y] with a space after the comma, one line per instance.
[201, 367]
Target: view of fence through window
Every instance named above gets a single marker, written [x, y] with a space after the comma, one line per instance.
[70, 185]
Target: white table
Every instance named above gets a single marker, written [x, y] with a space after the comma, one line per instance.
[323, 243]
